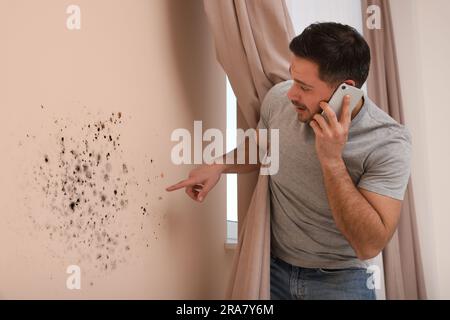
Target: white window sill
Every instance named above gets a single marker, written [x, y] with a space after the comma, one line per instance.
[231, 241]
[230, 244]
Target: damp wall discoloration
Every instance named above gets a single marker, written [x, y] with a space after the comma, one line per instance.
[89, 202]
[87, 189]
[130, 58]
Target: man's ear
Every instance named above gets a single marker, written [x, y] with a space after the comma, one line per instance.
[350, 83]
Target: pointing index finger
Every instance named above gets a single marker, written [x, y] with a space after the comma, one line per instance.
[181, 184]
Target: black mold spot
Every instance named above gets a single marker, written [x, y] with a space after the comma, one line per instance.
[70, 180]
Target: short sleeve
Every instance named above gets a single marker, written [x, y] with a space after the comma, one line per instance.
[387, 168]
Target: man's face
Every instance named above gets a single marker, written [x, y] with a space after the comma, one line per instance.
[308, 90]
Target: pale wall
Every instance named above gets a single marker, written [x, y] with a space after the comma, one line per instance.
[154, 62]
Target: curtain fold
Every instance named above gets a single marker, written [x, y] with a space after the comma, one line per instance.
[250, 272]
[252, 45]
[401, 258]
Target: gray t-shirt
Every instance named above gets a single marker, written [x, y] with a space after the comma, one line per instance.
[377, 156]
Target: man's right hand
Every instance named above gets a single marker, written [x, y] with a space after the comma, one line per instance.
[200, 181]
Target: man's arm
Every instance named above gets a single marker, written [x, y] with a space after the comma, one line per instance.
[367, 219]
[246, 167]
[202, 179]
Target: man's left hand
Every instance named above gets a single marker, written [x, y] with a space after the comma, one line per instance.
[331, 134]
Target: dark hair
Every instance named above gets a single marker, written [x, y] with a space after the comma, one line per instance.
[339, 50]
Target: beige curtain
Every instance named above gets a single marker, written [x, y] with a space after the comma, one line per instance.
[252, 39]
[401, 258]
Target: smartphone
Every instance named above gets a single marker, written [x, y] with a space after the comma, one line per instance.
[338, 96]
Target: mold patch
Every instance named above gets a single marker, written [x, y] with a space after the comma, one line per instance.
[87, 189]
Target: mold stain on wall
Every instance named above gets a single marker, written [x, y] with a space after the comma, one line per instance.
[91, 197]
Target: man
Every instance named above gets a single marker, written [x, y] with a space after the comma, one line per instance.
[336, 199]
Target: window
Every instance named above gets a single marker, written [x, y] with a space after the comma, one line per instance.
[232, 216]
[305, 12]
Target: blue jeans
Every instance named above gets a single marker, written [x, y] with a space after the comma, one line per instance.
[288, 282]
